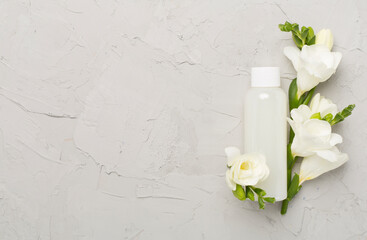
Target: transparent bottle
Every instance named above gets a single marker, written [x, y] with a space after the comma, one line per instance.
[265, 127]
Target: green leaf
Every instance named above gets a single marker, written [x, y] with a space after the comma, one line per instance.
[294, 187]
[270, 199]
[292, 95]
[297, 40]
[316, 116]
[286, 27]
[340, 116]
[261, 203]
[304, 37]
[312, 41]
[250, 193]
[239, 193]
[295, 27]
[328, 117]
[311, 34]
[311, 38]
[304, 33]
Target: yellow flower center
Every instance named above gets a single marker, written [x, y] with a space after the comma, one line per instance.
[245, 166]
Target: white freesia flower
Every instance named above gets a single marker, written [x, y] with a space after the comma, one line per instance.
[323, 106]
[314, 64]
[325, 37]
[247, 169]
[321, 162]
[311, 135]
[314, 140]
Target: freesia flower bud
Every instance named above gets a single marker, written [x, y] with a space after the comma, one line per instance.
[325, 37]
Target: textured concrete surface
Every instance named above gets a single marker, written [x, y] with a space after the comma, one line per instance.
[114, 116]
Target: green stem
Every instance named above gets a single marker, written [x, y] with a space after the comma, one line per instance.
[291, 193]
[308, 96]
[284, 206]
[289, 164]
[294, 102]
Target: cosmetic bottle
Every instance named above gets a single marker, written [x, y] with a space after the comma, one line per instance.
[265, 129]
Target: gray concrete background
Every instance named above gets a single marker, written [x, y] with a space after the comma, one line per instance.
[114, 116]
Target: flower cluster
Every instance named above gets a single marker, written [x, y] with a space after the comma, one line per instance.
[314, 140]
[311, 136]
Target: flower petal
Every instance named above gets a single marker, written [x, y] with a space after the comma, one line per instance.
[305, 81]
[229, 180]
[301, 114]
[291, 123]
[316, 128]
[330, 154]
[315, 103]
[232, 153]
[335, 139]
[312, 135]
[315, 165]
[337, 59]
[293, 54]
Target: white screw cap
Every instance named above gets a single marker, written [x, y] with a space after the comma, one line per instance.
[265, 77]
